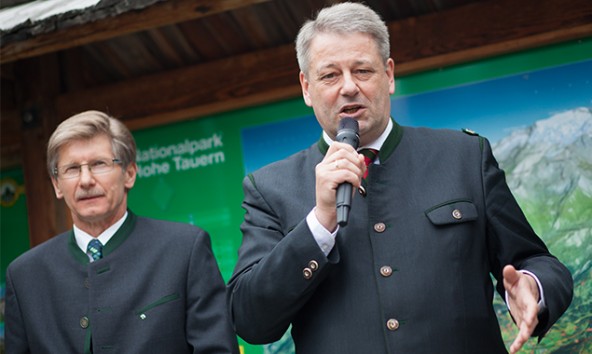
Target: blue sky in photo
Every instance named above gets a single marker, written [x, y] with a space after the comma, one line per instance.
[271, 142]
[492, 108]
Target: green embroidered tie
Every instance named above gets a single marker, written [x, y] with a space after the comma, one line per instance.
[95, 249]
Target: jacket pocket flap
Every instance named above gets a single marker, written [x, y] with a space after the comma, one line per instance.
[142, 312]
[452, 212]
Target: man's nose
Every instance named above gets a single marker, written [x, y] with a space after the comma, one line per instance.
[349, 86]
[86, 177]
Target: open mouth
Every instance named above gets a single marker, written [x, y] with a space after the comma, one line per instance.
[351, 109]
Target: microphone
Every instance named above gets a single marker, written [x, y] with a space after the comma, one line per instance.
[346, 133]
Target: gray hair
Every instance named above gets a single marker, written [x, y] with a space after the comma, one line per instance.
[87, 125]
[345, 17]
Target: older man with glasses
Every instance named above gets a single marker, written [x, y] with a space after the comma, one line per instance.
[116, 282]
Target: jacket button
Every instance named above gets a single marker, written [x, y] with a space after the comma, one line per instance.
[313, 265]
[379, 227]
[456, 214]
[386, 271]
[362, 191]
[84, 322]
[392, 324]
[307, 273]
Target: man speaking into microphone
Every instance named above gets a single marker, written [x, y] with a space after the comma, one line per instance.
[407, 268]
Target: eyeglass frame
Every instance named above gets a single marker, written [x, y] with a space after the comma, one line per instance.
[114, 161]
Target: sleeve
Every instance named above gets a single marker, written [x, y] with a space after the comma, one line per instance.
[208, 324]
[273, 278]
[15, 335]
[324, 238]
[513, 241]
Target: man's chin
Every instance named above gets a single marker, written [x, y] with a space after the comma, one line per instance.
[91, 215]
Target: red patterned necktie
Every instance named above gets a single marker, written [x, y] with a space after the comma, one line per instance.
[369, 157]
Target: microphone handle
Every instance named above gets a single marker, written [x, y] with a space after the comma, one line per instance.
[343, 197]
[347, 133]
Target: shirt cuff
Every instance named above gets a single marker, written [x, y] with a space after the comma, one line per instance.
[541, 302]
[324, 238]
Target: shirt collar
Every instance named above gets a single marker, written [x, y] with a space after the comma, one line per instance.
[82, 238]
[376, 144]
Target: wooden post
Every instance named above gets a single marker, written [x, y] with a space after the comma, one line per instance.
[37, 90]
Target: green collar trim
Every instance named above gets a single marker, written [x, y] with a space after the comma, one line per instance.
[120, 236]
[387, 149]
[80, 256]
[391, 142]
[323, 146]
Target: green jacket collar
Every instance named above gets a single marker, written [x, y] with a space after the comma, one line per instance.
[120, 236]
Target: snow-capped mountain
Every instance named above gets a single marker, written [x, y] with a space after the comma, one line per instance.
[554, 154]
[549, 170]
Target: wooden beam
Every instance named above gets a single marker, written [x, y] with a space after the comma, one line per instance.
[493, 49]
[487, 28]
[10, 138]
[40, 80]
[464, 34]
[201, 89]
[160, 14]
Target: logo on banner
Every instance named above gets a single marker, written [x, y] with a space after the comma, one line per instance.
[11, 191]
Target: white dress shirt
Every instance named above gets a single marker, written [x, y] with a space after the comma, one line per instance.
[82, 238]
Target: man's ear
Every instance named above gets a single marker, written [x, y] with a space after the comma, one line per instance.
[390, 71]
[304, 85]
[130, 175]
[56, 188]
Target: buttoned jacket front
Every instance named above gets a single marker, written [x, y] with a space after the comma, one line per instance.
[410, 273]
[157, 289]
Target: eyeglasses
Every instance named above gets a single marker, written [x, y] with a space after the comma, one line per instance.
[96, 167]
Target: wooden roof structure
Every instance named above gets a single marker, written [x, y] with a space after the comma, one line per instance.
[153, 62]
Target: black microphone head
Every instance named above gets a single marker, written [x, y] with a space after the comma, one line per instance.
[348, 132]
[348, 123]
